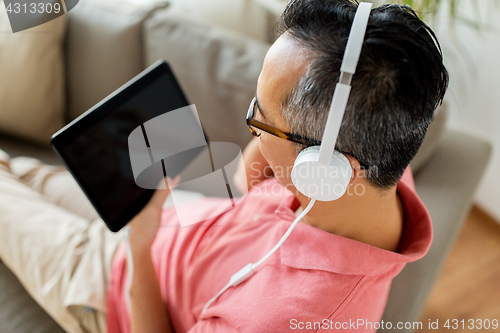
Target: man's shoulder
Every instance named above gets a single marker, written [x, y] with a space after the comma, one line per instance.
[268, 193]
[274, 302]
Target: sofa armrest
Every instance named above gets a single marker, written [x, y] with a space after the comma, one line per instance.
[446, 184]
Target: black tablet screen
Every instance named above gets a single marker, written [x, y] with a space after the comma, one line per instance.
[98, 154]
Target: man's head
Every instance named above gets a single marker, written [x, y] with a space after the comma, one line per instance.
[400, 80]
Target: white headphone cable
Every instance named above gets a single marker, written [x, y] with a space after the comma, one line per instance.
[248, 270]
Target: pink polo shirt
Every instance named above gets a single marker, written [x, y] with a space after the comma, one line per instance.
[316, 281]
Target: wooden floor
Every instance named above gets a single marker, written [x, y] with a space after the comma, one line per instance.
[469, 285]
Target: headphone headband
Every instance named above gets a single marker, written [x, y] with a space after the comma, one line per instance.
[343, 88]
[356, 37]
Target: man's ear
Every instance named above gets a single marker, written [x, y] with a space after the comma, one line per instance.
[357, 172]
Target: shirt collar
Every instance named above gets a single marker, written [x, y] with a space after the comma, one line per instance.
[309, 247]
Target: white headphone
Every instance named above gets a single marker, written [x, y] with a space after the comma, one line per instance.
[321, 172]
[320, 167]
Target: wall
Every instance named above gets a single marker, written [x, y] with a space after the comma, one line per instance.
[474, 92]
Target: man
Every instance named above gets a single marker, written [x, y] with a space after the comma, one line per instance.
[337, 265]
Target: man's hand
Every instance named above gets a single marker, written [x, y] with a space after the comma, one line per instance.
[254, 165]
[148, 313]
[144, 226]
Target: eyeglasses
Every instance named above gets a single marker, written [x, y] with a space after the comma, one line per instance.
[257, 126]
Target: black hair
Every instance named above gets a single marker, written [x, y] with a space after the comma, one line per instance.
[399, 82]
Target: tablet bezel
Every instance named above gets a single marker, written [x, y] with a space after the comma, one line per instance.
[80, 125]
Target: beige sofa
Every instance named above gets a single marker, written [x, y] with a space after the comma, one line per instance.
[105, 43]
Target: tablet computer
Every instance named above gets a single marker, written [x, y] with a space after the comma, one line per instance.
[98, 147]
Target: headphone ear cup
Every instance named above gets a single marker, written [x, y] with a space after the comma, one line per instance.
[320, 181]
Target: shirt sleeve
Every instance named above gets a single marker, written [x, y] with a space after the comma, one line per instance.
[213, 325]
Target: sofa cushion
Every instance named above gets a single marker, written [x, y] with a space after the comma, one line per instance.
[104, 49]
[31, 79]
[217, 68]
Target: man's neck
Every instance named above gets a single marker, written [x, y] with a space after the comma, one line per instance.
[373, 217]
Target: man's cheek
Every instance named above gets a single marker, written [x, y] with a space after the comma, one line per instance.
[263, 149]
[267, 153]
